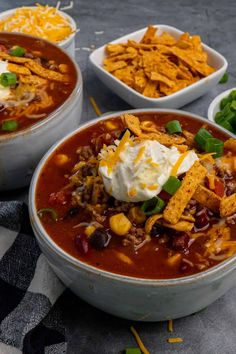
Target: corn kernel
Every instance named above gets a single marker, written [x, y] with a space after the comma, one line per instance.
[110, 125]
[61, 159]
[89, 230]
[120, 224]
[173, 260]
[135, 214]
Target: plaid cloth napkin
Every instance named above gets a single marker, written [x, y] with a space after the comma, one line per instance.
[30, 320]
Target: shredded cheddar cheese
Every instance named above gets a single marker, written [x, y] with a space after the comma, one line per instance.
[170, 325]
[95, 106]
[132, 192]
[153, 187]
[41, 21]
[139, 155]
[111, 161]
[139, 341]
[175, 340]
[178, 163]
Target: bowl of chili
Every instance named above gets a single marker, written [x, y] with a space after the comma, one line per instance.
[40, 100]
[135, 212]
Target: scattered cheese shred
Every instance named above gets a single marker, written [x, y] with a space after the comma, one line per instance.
[114, 158]
[170, 325]
[139, 341]
[175, 340]
[178, 163]
[41, 21]
[139, 155]
[95, 106]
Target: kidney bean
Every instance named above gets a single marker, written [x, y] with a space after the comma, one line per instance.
[81, 243]
[180, 242]
[202, 220]
[99, 239]
[158, 230]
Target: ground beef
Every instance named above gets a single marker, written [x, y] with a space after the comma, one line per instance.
[85, 153]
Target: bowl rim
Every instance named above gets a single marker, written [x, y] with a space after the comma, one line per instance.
[215, 101]
[43, 236]
[64, 14]
[76, 91]
[174, 95]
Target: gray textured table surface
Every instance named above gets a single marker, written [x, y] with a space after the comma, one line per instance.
[90, 331]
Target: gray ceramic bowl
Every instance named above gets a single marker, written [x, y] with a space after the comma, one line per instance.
[130, 297]
[21, 151]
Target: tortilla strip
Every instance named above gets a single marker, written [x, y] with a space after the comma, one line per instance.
[207, 198]
[202, 68]
[230, 144]
[180, 199]
[46, 73]
[159, 77]
[12, 59]
[228, 205]
[132, 123]
[112, 66]
[33, 80]
[163, 138]
[18, 69]
[149, 35]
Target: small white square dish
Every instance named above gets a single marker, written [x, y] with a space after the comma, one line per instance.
[175, 100]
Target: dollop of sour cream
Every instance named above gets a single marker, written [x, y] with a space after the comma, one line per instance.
[4, 91]
[141, 169]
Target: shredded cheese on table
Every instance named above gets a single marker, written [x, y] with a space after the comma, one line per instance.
[175, 340]
[139, 341]
[170, 325]
[42, 21]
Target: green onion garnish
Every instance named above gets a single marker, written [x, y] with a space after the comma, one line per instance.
[224, 102]
[17, 51]
[174, 127]
[225, 124]
[9, 125]
[201, 137]
[172, 185]
[8, 79]
[51, 211]
[216, 146]
[233, 105]
[133, 351]
[232, 95]
[153, 206]
[224, 79]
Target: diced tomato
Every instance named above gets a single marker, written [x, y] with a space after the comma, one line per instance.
[3, 48]
[59, 198]
[219, 188]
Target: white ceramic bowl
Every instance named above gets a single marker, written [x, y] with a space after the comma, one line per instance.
[20, 151]
[175, 100]
[124, 296]
[68, 44]
[215, 104]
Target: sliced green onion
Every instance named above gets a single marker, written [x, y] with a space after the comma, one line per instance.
[17, 51]
[215, 145]
[225, 124]
[224, 102]
[8, 79]
[201, 137]
[50, 211]
[9, 125]
[133, 351]
[219, 117]
[174, 127]
[172, 185]
[226, 110]
[233, 105]
[153, 206]
[224, 79]
[232, 95]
